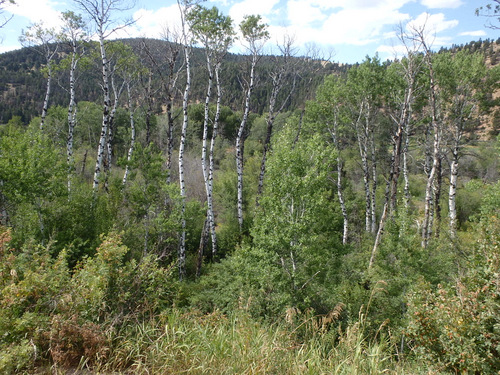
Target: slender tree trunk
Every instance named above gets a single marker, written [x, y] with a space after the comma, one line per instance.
[340, 190]
[206, 119]
[396, 168]
[267, 145]
[132, 135]
[105, 113]
[406, 175]
[71, 116]
[149, 111]
[278, 83]
[374, 183]
[211, 163]
[453, 192]
[437, 194]
[366, 182]
[170, 139]
[47, 95]
[340, 194]
[208, 168]
[361, 137]
[240, 140]
[427, 223]
[381, 225]
[111, 130]
[201, 248]
[182, 145]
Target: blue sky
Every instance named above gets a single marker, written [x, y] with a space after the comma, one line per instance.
[351, 29]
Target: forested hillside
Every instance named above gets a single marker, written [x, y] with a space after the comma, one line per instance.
[22, 77]
[169, 209]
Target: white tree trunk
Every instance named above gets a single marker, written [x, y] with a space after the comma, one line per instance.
[240, 140]
[366, 180]
[406, 175]
[374, 183]
[453, 194]
[105, 113]
[428, 211]
[211, 161]
[278, 80]
[47, 95]
[132, 135]
[340, 190]
[111, 130]
[182, 145]
[208, 168]
[71, 116]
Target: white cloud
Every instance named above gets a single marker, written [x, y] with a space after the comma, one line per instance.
[390, 51]
[248, 7]
[303, 13]
[436, 4]
[474, 33]
[36, 11]
[154, 23]
[367, 27]
[431, 23]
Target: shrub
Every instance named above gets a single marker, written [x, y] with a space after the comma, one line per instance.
[457, 325]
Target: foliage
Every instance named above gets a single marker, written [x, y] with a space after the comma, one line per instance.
[49, 310]
[457, 324]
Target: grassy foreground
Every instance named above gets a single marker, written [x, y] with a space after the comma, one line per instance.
[194, 343]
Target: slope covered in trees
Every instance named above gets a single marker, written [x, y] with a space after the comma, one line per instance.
[22, 78]
[275, 214]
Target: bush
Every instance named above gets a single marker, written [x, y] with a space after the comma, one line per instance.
[457, 325]
[48, 311]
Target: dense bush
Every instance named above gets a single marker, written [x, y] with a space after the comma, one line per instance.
[457, 325]
[51, 312]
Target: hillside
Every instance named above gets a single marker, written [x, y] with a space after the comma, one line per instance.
[21, 80]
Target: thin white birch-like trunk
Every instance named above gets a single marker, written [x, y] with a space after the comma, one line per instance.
[363, 152]
[111, 130]
[211, 162]
[453, 194]
[182, 145]
[208, 168]
[240, 142]
[406, 176]
[105, 113]
[206, 119]
[170, 87]
[437, 195]
[374, 183]
[385, 212]
[132, 135]
[340, 190]
[428, 211]
[47, 95]
[278, 79]
[71, 116]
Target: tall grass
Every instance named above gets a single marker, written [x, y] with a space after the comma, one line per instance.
[195, 343]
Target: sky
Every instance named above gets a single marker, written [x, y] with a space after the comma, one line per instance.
[344, 30]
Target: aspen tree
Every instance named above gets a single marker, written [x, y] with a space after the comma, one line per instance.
[400, 110]
[255, 34]
[101, 13]
[462, 79]
[282, 77]
[185, 7]
[74, 35]
[215, 32]
[43, 40]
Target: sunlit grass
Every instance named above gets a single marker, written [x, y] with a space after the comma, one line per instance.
[195, 343]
